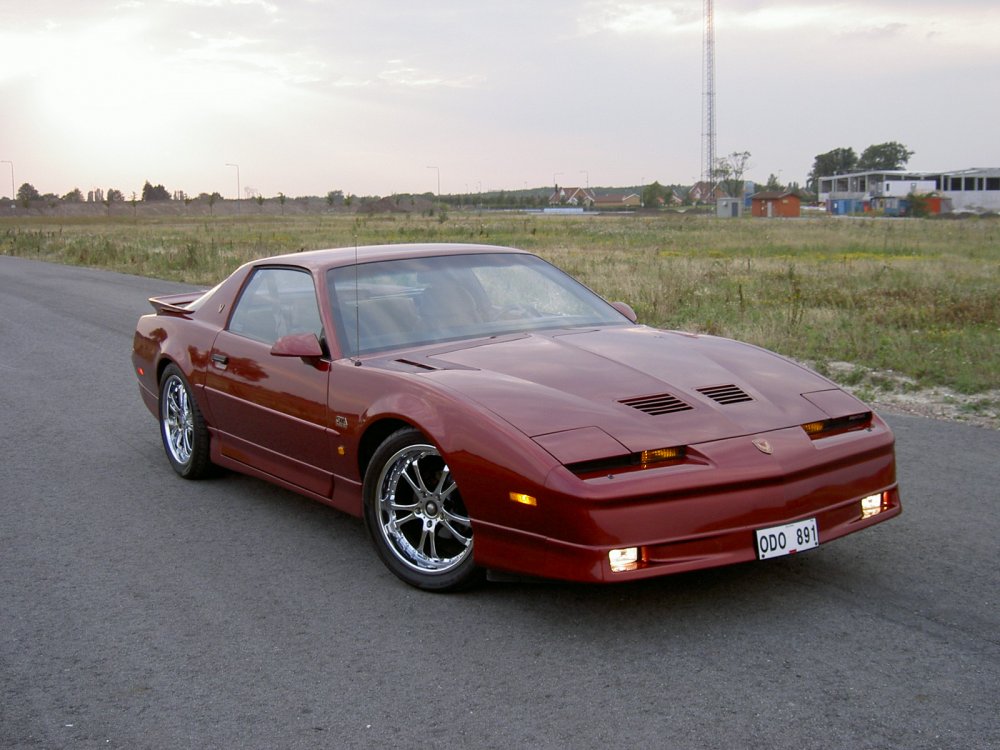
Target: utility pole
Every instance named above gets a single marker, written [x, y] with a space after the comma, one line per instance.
[708, 102]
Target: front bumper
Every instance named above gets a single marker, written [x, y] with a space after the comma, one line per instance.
[701, 514]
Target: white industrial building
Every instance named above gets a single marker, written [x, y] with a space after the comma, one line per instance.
[964, 190]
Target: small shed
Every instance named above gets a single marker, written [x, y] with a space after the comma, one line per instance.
[728, 207]
[774, 205]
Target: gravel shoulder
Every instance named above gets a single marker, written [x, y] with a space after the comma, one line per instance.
[891, 392]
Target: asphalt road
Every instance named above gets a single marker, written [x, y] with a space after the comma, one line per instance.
[138, 610]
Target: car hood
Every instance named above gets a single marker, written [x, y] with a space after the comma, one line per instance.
[597, 392]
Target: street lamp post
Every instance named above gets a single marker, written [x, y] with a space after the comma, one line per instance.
[436, 169]
[585, 172]
[237, 186]
[13, 195]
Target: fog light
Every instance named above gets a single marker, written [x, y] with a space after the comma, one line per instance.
[624, 559]
[871, 505]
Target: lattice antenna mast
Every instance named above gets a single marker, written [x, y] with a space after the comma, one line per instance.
[708, 103]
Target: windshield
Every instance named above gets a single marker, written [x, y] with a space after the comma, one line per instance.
[416, 301]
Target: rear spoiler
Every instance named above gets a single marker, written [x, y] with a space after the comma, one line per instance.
[174, 304]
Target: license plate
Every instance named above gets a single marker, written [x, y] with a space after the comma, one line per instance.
[787, 540]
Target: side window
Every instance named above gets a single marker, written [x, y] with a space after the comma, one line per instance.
[276, 302]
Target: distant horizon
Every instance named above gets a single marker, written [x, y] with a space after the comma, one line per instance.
[547, 189]
[127, 195]
[544, 190]
[801, 185]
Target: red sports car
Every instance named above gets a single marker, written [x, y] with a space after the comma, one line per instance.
[483, 411]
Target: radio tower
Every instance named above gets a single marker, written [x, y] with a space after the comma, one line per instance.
[708, 103]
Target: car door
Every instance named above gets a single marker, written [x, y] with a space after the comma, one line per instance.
[270, 411]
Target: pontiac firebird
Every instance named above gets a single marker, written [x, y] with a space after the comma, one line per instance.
[483, 411]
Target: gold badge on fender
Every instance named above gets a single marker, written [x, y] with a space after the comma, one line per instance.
[763, 446]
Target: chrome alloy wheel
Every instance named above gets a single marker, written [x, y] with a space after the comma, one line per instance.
[178, 419]
[421, 515]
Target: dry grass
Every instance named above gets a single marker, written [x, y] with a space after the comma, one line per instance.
[917, 297]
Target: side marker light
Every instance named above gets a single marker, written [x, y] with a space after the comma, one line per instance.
[520, 497]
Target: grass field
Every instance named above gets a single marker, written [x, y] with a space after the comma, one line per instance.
[915, 301]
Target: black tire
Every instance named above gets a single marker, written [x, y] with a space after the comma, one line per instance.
[416, 516]
[182, 426]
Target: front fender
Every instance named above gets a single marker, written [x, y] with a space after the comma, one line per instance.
[487, 456]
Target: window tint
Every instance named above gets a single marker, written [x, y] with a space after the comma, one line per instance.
[276, 302]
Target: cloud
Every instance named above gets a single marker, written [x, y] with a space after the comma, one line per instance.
[400, 74]
[639, 18]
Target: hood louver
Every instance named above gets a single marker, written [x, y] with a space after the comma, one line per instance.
[664, 403]
[419, 365]
[726, 394]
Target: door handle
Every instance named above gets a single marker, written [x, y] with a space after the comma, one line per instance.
[220, 361]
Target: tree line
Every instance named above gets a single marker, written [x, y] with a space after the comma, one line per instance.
[27, 194]
[729, 175]
[890, 155]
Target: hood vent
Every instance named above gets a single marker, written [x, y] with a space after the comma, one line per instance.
[656, 405]
[417, 365]
[726, 394]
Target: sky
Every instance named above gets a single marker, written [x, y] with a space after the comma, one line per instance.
[375, 97]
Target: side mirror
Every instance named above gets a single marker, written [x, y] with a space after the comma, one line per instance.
[626, 310]
[304, 345]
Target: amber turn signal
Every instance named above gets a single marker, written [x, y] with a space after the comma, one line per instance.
[660, 454]
[839, 424]
[520, 497]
